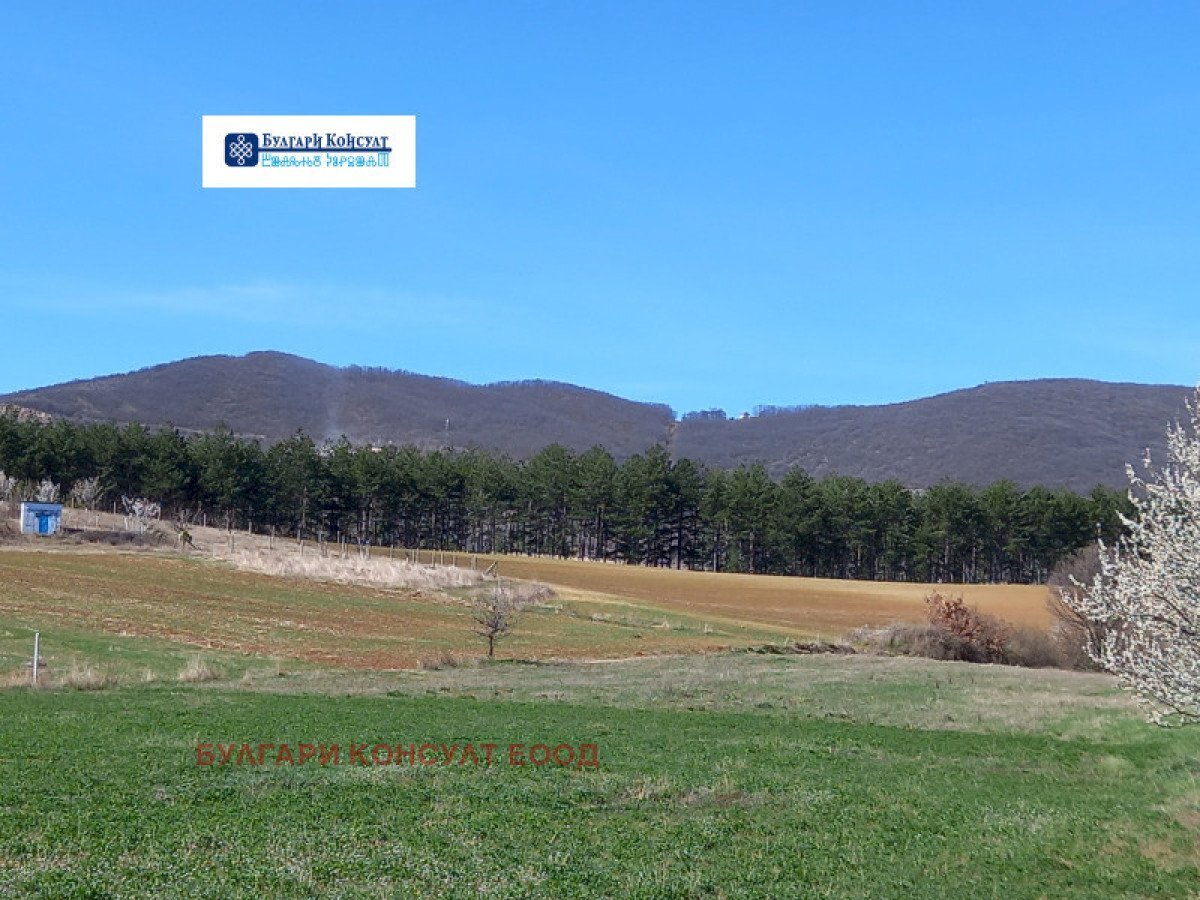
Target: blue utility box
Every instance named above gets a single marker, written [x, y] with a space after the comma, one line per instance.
[40, 518]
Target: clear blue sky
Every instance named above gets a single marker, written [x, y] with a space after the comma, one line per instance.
[698, 204]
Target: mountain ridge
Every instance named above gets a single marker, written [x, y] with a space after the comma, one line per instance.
[1056, 431]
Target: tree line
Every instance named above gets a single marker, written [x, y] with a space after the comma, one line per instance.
[649, 509]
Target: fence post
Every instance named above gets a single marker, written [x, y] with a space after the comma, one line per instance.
[37, 647]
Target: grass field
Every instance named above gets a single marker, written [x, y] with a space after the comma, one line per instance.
[739, 776]
[723, 774]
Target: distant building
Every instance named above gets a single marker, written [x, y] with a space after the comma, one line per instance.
[40, 518]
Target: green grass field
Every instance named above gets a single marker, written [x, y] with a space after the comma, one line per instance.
[724, 774]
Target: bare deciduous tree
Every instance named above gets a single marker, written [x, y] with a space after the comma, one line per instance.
[495, 615]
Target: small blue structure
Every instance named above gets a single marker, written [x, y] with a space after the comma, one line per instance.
[40, 518]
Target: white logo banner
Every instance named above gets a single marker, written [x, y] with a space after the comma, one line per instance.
[309, 151]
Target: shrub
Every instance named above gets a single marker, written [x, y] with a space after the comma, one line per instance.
[912, 639]
[87, 678]
[17, 678]
[1034, 649]
[443, 659]
[1079, 639]
[985, 637]
[529, 592]
[958, 633]
[198, 670]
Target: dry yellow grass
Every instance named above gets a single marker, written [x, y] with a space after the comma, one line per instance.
[801, 605]
[198, 670]
[287, 561]
[86, 677]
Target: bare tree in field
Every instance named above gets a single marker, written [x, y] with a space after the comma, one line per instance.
[495, 615]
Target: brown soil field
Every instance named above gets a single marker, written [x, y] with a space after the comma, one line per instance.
[207, 604]
[807, 606]
[601, 611]
[801, 606]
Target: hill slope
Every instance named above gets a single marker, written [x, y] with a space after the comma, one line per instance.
[270, 395]
[1057, 432]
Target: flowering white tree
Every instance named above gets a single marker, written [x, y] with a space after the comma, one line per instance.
[86, 492]
[139, 512]
[47, 491]
[1147, 594]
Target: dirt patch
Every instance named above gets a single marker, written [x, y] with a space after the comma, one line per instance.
[804, 647]
[77, 536]
[81, 537]
[206, 604]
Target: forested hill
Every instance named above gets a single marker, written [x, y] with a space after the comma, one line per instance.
[1057, 432]
[271, 395]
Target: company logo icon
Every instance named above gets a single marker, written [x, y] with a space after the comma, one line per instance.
[241, 149]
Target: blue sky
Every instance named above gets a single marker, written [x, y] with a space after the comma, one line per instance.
[698, 204]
